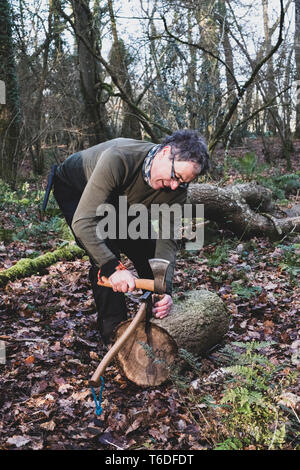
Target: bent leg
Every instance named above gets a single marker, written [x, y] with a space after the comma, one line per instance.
[110, 305]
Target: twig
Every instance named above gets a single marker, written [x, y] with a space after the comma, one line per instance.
[276, 425]
[112, 444]
[10, 338]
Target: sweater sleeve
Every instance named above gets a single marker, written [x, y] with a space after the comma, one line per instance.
[107, 178]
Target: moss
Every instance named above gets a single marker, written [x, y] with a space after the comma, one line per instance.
[27, 267]
[198, 322]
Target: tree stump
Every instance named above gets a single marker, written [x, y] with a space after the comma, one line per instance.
[195, 324]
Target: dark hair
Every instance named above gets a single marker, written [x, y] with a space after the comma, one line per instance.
[188, 145]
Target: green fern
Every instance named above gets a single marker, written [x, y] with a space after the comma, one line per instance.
[243, 398]
[245, 291]
[230, 444]
[190, 359]
[218, 256]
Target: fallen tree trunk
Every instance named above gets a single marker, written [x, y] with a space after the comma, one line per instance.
[27, 267]
[233, 208]
[196, 323]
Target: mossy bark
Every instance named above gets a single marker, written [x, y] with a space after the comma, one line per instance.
[27, 267]
[198, 322]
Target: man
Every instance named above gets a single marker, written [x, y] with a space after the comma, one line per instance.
[146, 174]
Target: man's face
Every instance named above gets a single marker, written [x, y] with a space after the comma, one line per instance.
[161, 171]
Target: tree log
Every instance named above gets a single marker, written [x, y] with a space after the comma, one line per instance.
[233, 207]
[196, 323]
[27, 267]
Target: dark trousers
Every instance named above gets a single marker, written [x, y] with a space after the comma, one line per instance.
[111, 306]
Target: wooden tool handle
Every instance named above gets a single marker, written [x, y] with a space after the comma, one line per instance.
[146, 284]
[140, 316]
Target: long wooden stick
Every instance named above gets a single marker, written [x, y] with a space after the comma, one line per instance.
[140, 316]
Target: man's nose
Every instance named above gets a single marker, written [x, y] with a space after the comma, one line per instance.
[174, 184]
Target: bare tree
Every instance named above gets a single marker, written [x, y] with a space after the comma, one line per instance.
[297, 60]
[119, 59]
[90, 73]
[10, 113]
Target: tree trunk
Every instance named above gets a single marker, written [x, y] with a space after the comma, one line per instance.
[96, 115]
[297, 59]
[192, 99]
[118, 60]
[234, 208]
[270, 85]
[10, 114]
[36, 150]
[196, 323]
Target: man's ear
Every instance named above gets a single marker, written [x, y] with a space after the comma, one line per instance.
[166, 149]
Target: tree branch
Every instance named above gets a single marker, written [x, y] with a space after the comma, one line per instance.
[218, 133]
[141, 115]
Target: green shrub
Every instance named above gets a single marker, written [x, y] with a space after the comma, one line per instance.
[245, 291]
[253, 393]
[218, 256]
[22, 209]
[281, 185]
[291, 261]
[248, 165]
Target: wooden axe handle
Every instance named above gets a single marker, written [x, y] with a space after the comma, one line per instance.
[146, 284]
[140, 316]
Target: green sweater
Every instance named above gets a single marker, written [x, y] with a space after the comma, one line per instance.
[104, 172]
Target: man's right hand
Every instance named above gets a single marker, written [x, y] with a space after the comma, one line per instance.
[122, 281]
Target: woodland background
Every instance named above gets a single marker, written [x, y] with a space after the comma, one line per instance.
[78, 72]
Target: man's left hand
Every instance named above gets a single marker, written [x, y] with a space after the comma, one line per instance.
[162, 308]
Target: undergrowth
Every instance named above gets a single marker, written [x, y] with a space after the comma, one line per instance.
[281, 186]
[251, 410]
[24, 220]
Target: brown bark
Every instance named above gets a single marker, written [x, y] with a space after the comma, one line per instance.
[297, 60]
[196, 323]
[234, 208]
[90, 73]
[270, 85]
[10, 113]
[118, 58]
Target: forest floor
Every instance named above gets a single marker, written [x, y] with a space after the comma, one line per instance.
[48, 326]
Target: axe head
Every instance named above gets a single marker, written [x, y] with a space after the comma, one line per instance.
[159, 268]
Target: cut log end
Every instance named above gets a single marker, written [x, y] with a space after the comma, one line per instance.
[196, 324]
[145, 358]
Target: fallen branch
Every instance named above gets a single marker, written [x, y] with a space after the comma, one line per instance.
[27, 267]
[10, 338]
[236, 208]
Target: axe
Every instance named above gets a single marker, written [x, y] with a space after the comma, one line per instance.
[159, 268]
[158, 285]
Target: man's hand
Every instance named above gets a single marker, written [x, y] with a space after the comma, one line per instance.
[122, 281]
[162, 308]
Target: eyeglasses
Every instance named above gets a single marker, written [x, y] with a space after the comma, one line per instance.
[174, 177]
